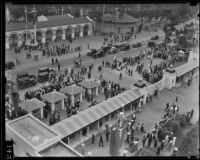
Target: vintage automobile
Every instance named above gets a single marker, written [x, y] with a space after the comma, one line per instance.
[9, 65]
[125, 46]
[155, 37]
[106, 47]
[136, 45]
[167, 40]
[43, 74]
[92, 52]
[25, 80]
[100, 53]
[113, 50]
[151, 44]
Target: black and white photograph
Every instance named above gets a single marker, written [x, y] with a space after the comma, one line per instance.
[101, 80]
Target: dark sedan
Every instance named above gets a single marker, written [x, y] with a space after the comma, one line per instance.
[136, 45]
[43, 74]
[92, 52]
[155, 37]
[25, 80]
[113, 50]
[100, 53]
[9, 65]
[125, 46]
[151, 44]
[106, 47]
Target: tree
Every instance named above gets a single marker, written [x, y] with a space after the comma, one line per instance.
[183, 10]
[76, 13]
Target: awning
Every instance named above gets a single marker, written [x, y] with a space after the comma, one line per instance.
[185, 68]
[89, 116]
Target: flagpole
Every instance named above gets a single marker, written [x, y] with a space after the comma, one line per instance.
[26, 21]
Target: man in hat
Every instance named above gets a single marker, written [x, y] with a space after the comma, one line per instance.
[101, 141]
[128, 137]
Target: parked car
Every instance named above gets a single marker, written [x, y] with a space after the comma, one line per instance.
[100, 53]
[155, 37]
[106, 47]
[9, 65]
[113, 50]
[92, 52]
[136, 45]
[125, 46]
[151, 44]
[25, 80]
[43, 74]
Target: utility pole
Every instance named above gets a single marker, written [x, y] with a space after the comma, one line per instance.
[35, 20]
[62, 9]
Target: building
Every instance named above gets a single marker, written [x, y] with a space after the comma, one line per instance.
[49, 28]
[113, 23]
[33, 138]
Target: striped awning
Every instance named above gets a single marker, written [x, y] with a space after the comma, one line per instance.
[185, 68]
[90, 115]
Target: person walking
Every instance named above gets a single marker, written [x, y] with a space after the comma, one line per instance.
[83, 148]
[170, 145]
[191, 113]
[93, 138]
[149, 142]
[52, 61]
[58, 66]
[174, 141]
[79, 55]
[128, 138]
[143, 141]
[162, 144]
[56, 61]
[158, 151]
[142, 128]
[101, 141]
[155, 143]
[107, 136]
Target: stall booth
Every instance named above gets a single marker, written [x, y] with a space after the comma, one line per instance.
[91, 87]
[186, 72]
[73, 92]
[34, 107]
[55, 100]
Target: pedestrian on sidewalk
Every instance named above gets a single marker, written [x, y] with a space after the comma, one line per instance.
[101, 141]
[93, 138]
[158, 151]
[162, 144]
[52, 61]
[137, 128]
[79, 55]
[58, 66]
[155, 143]
[56, 61]
[142, 128]
[83, 148]
[143, 141]
[177, 98]
[128, 138]
[170, 145]
[107, 136]
[191, 113]
[149, 142]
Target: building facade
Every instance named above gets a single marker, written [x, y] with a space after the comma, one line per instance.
[55, 28]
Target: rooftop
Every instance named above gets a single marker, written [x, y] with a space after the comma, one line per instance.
[53, 21]
[57, 150]
[86, 117]
[31, 105]
[89, 84]
[53, 97]
[183, 69]
[32, 131]
[71, 90]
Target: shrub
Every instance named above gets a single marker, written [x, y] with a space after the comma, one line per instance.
[189, 144]
[182, 119]
[164, 131]
[173, 126]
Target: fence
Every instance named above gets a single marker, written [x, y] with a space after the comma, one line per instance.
[160, 85]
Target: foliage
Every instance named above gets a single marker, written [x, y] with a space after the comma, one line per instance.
[173, 126]
[182, 119]
[189, 144]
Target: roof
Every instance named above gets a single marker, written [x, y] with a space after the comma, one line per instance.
[183, 69]
[86, 117]
[71, 90]
[53, 22]
[58, 149]
[114, 18]
[89, 84]
[32, 131]
[53, 97]
[31, 105]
